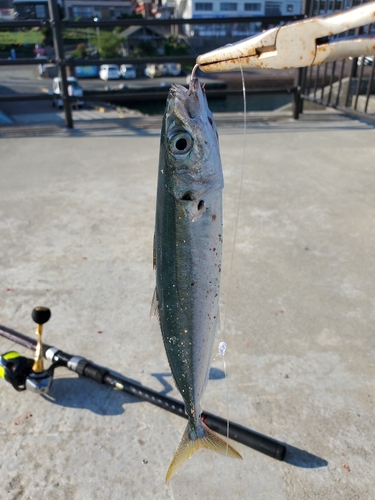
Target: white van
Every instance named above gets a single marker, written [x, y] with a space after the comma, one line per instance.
[74, 90]
[128, 71]
[109, 72]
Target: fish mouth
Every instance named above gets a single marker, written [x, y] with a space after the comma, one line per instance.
[188, 103]
[195, 87]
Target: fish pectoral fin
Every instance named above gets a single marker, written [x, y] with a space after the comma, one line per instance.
[154, 310]
[188, 447]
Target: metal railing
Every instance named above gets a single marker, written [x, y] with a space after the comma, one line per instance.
[347, 85]
[62, 62]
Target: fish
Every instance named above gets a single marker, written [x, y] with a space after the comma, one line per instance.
[187, 256]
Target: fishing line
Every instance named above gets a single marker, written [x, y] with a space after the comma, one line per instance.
[239, 193]
[222, 345]
[227, 303]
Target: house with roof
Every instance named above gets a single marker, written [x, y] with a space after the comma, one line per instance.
[134, 35]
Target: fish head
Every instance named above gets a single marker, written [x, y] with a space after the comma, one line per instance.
[190, 157]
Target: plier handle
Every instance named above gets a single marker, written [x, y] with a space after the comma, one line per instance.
[296, 45]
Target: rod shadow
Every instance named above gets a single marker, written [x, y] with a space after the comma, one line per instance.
[293, 456]
[83, 393]
[302, 458]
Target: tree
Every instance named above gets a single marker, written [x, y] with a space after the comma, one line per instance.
[80, 52]
[174, 47]
[107, 43]
[145, 49]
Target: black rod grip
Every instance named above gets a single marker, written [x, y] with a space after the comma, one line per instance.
[92, 371]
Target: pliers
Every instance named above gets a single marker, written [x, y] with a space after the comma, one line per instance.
[296, 45]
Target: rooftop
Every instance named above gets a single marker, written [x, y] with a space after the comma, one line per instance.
[77, 216]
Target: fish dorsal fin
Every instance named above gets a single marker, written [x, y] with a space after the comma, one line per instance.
[154, 310]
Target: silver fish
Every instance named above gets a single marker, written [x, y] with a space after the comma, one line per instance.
[187, 256]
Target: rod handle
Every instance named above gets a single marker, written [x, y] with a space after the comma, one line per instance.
[40, 315]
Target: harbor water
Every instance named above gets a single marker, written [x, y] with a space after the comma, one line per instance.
[230, 103]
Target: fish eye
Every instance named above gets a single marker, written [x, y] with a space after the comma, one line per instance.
[181, 143]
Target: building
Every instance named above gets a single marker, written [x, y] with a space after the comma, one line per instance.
[73, 9]
[134, 35]
[114, 9]
[30, 9]
[102, 9]
[235, 8]
[220, 8]
[6, 10]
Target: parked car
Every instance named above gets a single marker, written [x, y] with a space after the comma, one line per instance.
[109, 72]
[172, 69]
[365, 60]
[87, 71]
[153, 70]
[167, 69]
[128, 71]
[74, 90]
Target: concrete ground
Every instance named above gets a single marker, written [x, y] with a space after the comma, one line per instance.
[298, 312]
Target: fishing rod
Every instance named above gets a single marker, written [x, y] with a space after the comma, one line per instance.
[24, 373]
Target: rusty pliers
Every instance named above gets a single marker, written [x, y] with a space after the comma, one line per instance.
[296, 45]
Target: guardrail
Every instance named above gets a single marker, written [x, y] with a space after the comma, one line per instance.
[344, 85]
[347, 85]
[57, 25]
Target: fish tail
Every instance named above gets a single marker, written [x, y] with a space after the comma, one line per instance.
[188, 447]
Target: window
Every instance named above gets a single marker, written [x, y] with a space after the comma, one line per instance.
[84, 12]
[335, 5]
[255, 7]
[289, 7]
[273, 9]
[203, 6]
[228, 6]
[40, 11]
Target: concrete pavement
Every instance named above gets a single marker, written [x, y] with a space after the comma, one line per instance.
[298, 312]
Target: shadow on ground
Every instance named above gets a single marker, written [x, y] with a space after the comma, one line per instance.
[301, 458]
[82, 393]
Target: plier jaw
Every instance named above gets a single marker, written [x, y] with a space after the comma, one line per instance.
[296, 45]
